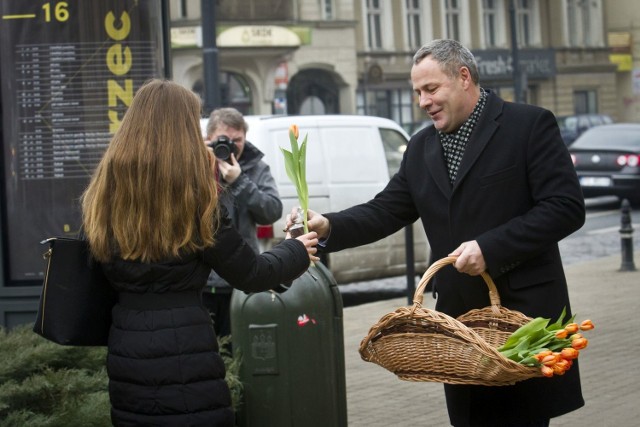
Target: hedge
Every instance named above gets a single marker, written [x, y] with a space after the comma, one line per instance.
[43, 384]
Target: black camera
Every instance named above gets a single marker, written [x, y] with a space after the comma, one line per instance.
[223, 147]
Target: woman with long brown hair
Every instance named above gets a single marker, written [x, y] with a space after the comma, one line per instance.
[151, 216]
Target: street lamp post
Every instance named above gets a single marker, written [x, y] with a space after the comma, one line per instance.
[210, 56]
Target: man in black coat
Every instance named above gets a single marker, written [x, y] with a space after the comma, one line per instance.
[493, 185]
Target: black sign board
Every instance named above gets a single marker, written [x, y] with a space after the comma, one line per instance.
[498, 64]
[68, 71]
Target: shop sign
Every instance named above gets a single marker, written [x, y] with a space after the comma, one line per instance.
[624, 61]
[498, 64]
[258, 36]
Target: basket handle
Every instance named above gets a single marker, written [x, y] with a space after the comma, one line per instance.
[494, 297]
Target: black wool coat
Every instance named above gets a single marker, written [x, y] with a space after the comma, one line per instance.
[517, 195]
[163, 363]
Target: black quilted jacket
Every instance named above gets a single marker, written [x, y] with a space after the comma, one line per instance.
[163, 362]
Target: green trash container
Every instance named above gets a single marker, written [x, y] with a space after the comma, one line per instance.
[291, 346]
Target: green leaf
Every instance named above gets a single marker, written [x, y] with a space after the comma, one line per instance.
[530, 361]
[535, 325]
[559, 324]
[289, 165]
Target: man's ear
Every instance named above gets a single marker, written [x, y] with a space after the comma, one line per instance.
[465, 77]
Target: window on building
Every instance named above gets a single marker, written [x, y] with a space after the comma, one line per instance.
[394, 104]
[234, 92]
[585, 101]
[583, 23]
[452, 13]
[374, 24]
[182, 9]
[493, 23]
[414, 27]
[527, 30]
[255, 10]
[326, 7]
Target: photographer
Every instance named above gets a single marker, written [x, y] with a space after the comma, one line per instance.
[249, 193]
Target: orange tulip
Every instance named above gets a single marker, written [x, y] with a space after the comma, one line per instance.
[572, 328]
[586, 325]
[294, 130]
[575, 336]
[549, 360]
[558, 369]
[569, 353]
[562, 334]
[546, 371]
[543, 354]
[579, 343]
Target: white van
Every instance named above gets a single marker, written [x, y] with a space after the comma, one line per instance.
[349, 160]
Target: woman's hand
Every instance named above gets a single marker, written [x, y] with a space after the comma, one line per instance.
[310, 241]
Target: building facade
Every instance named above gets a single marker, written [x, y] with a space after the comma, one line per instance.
[295, 57]
[623, 22]
[354, 56]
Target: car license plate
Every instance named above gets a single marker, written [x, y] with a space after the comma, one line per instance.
[595, 181]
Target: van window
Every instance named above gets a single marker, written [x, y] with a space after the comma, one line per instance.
[394, 144]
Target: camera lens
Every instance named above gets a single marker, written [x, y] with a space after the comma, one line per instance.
[222, 151]
[223, 147]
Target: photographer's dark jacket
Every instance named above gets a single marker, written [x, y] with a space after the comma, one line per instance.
[163, 363]
[517, 195]
[251, 199]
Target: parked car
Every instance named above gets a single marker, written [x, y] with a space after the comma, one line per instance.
[571, 127]
[607, 160]
[349, 160]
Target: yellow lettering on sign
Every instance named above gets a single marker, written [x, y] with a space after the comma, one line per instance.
[115, 93]
[118, 59]
[117, 33]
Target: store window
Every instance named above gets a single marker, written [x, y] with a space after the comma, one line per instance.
[392, 103]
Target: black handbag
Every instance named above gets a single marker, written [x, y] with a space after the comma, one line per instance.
[76, 300]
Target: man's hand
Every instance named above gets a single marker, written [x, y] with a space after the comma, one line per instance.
[229, 171]
[470, 259]
[315, 222]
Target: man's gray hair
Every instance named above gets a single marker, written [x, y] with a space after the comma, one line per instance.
[451, 55]
[229, 117]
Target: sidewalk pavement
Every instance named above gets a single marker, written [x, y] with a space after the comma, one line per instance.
[610, 366]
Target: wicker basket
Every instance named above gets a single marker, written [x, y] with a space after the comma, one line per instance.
[419, 344]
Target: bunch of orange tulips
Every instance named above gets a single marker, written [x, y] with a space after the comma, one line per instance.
[552, 347]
